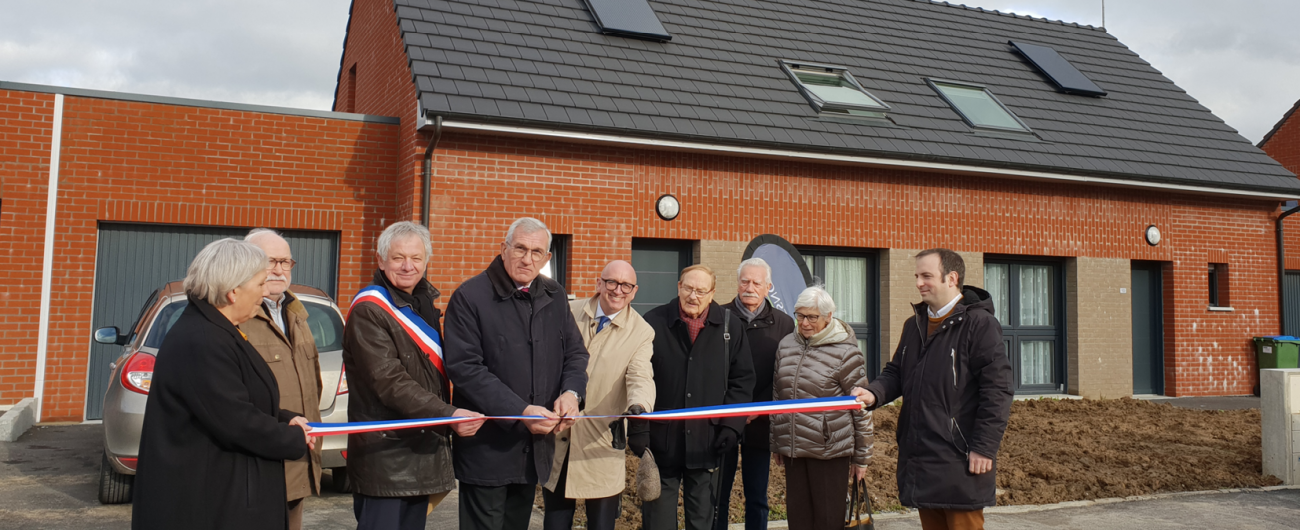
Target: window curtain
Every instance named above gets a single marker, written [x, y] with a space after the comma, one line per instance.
[846, 281]
[1036, 362]
[1035, 295]
[995, 282]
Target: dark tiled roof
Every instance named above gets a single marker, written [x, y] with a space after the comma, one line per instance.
[543, 63]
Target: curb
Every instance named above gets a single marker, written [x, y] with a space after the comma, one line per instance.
[1029, 508]
[17, 420]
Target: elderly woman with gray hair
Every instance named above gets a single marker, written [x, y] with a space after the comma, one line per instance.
[821, 451]
[214, 440]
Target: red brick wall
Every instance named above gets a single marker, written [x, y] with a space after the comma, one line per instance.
[604, 197]
[151, 163]
[1284, 146]
[384, 86]
[26, 121]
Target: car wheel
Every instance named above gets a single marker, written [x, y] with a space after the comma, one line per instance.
[114, 487]
[340, 479]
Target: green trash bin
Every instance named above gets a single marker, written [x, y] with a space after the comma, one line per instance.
[1277, 351]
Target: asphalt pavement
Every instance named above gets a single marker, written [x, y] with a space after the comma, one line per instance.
[49, 480]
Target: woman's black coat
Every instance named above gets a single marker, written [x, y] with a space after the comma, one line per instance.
[214, 440]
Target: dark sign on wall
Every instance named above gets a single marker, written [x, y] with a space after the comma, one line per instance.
[790, 275]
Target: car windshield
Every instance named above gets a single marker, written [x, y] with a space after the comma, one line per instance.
[326, 326]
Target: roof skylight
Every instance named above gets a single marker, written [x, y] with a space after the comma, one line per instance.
[978, 106]
[628, 18]
[1059, 71]
[833, 88]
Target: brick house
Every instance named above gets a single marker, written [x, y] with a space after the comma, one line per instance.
[860, 131]
[1283, 144]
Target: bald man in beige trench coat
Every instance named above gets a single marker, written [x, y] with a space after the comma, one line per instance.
[619, 379]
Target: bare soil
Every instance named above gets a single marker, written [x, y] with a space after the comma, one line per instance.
[1068, 450]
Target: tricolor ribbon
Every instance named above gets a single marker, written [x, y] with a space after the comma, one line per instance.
[420, 331]
[764, 408]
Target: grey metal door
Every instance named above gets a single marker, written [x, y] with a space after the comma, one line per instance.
[658, 262]
[134, 259]
[1291, 297]
[1148, 329]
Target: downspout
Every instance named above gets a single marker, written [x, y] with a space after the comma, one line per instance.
[1281, 270]
[428, 170]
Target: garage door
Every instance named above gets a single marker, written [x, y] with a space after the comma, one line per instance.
[135, 259]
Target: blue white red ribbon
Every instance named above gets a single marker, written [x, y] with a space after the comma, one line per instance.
[420, 331]
[764, 408]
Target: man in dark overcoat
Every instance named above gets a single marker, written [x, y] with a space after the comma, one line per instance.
[695, 364]
[513, 349]
[765, 326]
[951, 370]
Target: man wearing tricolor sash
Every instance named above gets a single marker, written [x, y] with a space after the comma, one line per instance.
[392, 355]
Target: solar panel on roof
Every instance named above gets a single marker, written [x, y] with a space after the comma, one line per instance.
[628, 18]
[1066, 77]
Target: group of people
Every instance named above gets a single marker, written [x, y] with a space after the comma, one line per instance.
[226, 443]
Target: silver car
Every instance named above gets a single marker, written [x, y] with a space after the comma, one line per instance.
[132, 371]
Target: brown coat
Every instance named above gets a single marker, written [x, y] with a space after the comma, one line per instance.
[619, 375]
[830, 366]
[295, 362]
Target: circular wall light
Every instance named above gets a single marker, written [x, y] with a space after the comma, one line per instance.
[667, 207]
[1153, 235]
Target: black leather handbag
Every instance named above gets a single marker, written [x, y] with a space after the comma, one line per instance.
[857, 516]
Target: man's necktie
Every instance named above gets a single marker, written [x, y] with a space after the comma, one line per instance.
[601, 325]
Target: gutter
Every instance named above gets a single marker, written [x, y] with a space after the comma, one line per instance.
[658, 143]
[47, 267]
[428, 170]
[1281, 269]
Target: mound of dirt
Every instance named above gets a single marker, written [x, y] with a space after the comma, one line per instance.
[1069, 450]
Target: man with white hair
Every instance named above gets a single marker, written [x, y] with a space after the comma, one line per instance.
[513, 349]
[764, 329]
[280, 334]
[392, 354]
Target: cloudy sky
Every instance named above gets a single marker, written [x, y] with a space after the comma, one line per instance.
[1238, 58]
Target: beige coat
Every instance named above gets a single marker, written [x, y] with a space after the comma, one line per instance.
[296, 364]
[618, 376]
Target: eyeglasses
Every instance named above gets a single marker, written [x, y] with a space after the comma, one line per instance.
[622, 286]
[519, 251]
[697, 292]
[285, 264]
[800, 317]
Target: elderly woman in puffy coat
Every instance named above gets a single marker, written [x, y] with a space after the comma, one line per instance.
[821, 451]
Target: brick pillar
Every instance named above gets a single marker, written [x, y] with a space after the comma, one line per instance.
[723, 257]
[1099, 327]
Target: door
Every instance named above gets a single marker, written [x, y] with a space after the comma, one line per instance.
[1291, 297]
[1148, 329]
[1027, 299]
[134, 259]
[658, 262]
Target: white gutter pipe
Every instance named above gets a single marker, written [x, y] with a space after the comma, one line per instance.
[47, 268]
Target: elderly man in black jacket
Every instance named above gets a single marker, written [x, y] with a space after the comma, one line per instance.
[391, 376]
[951, 370]
[701, 358]
[513, 349]
[764, 328]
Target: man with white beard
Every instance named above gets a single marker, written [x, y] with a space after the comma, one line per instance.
[281, 336]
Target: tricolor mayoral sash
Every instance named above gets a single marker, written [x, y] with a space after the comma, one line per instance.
[420, 331]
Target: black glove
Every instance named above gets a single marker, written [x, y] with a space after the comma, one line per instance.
[638, 431]
[620, 434]
[725, 439]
